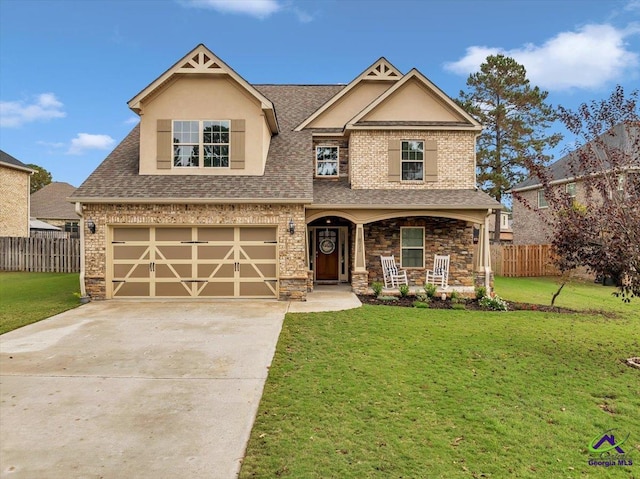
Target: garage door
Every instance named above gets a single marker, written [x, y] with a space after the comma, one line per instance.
[221, 262]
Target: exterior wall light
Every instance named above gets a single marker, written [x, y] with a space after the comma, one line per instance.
[91, 226]
[292, 226]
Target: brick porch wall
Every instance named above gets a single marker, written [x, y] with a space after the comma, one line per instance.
[442, 236]
[292, 261]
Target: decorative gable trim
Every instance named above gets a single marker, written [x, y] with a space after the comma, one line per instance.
[202, 61]
[381, 69]
[467, 121]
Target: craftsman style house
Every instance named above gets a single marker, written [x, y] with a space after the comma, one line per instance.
[228, 189]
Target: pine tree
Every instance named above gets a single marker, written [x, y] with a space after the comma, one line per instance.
[515, 119]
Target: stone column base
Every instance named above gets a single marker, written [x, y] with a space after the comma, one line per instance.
[293, 289]
[309, 281]
[360, 282]
[479, 280]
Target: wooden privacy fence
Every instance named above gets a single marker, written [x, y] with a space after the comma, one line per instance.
[522, 260]
[41, 255]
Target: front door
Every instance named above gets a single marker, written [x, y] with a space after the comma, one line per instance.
[327, 254]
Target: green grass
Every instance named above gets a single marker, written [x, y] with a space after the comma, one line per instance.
[575, 295]
[29, 297]
[388, 392]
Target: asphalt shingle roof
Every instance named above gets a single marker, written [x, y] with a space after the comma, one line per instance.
[50, 202]
[10, 160]
[334, 193]
[287, 176]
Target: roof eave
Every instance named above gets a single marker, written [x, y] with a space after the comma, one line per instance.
[103, 200]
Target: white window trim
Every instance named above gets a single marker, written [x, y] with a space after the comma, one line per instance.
[542, 207]
[401, 248]
[315, 172]
[575, 189]
[402, 180]
[201, 147]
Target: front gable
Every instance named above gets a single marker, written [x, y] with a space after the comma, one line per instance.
[201, 118]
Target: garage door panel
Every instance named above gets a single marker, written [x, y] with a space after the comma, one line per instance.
[221, 270]
[218, 289]
[258, 252]
[260, 289]
[258, 234]
[173, 234]
[215, 252]
[267, 271]
[130, 252]
[215, 234]
[129, 270]
[132, 289]
[180, 271]
[173, 289]
[131, 234]
[174, 252]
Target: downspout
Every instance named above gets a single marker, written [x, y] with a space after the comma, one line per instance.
[83, 291]
[487, 255]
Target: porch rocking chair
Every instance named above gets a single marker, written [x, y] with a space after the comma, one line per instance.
[440, 272]
[393, 276]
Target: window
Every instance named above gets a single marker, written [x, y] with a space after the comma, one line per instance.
[327, 161]
[71, 227]
[412, 247]
[542, 201]
[571, 190]
[194, 141]
[412, 160]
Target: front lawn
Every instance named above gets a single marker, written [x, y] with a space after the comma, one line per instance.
[387, 392]
[30, 297]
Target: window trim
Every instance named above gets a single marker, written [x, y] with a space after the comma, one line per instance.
[575, 189]
[402, 228]
[201, 145]
[315, 172]
[402, 161]
[540, 194]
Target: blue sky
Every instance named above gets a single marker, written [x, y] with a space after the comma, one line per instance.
[68, 68]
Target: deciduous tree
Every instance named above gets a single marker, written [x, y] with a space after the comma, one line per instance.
[40, 178]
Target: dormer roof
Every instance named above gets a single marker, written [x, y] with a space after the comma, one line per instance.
[202, 61]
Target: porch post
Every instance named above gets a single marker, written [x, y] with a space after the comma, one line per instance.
[359, 275]
[486, 254]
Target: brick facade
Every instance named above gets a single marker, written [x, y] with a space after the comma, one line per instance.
[528, 226]
[14, 192]
[292, 261]
[343, 152]
[369, 164]
[442, 236]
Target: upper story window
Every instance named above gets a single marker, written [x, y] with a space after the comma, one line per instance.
[412, 157]
[571, 190]
[327, 161]
[201, 143]
[542, 200]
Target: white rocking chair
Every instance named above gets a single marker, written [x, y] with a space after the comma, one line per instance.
[393, 276]
[440, 272]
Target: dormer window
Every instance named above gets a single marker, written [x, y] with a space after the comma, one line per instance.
[327, 161]
[202, 143]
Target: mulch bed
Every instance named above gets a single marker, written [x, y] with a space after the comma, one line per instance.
[469, 304]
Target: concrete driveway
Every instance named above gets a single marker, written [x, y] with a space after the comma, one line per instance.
[135, 389]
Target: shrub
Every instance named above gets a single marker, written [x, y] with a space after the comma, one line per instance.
[377, 288]
[481, 292]
[496, 303]
[455, 297]
[458, 306]
[422, 297]
[404, 290]
[420, 304]
[430, 289]
[387, 298]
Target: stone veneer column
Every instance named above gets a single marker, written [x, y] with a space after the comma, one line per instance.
[359, 275]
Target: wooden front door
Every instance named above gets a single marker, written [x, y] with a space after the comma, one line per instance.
[327, 254]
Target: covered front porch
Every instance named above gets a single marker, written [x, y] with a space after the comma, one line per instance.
[344, 246]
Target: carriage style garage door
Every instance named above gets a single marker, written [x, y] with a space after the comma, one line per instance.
[223, 262]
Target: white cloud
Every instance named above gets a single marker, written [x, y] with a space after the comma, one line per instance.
[87, 141]
[256, 8]
[50, 144]
[588, 58]
[43, 107]
[132, 120]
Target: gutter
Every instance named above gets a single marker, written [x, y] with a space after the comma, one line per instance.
[183, 201]
[83, 290]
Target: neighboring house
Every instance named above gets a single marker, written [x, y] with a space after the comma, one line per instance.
[51, 205]
[506, 231]
[42, 229]
[227, 189]
[529, 226]
[15, 178]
